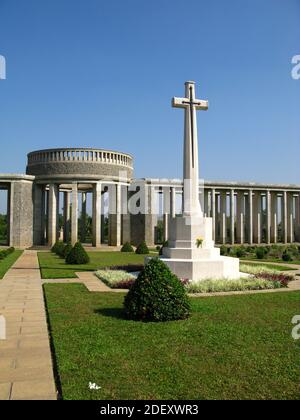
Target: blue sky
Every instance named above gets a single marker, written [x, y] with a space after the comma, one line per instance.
[101, 74]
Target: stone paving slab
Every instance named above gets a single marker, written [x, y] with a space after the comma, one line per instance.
[26, 370]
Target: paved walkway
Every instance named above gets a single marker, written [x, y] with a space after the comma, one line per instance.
[25, 359]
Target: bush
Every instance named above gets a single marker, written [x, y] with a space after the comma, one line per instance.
[57, 247]
[127, 247]
[281, 278]
[240, 251]
[77, 255]
[67, 249]
[287, 256]
[142, 249]
[223, 250]
[260, 253]
[157, 295]
[60, 249]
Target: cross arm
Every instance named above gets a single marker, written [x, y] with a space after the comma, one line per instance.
[179, 102]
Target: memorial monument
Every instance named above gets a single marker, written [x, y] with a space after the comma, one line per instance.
[191, 252]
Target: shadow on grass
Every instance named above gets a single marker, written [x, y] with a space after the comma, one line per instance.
[117, 313]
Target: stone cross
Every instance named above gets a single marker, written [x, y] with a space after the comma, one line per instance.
[191, 204]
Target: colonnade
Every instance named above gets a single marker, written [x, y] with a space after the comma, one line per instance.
[250, 214]
[74, 227]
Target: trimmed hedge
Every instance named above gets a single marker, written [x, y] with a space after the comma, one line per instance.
[157, 295]
[127, 247]
[67, 249]
[142, 249]
[77, 255]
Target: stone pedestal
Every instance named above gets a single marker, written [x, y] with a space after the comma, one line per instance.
[189, 262]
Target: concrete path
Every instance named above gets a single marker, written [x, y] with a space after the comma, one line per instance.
[26, 370]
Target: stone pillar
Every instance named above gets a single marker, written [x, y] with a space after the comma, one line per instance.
[250, 217]
[213, 212]
[39, 214]
[83, 217]
[268, 217]
[126, 225]
[274, 218]
[166, 211]
[232, 217]
[173, 202]
[115, 216]
[284, 222]
[102, 218]
[257, 218]
[206, 203]
[53, 204]
[74, 221]
[223, 205]
[290, 217]
[297, 218]
[96, 217]
[67, 215]
[240, 214]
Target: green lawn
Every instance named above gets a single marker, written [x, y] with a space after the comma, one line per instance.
[237, 347]
[53, 267]
[8, 261]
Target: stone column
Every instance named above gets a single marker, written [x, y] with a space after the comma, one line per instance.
[223, 202]
[257, 210]
[126, 225]
[74, 222]
[173, 202]
[250, 217]
[96, 217]
[232, 217]
[83, 217]
[240, 214]
[284, 222]
[268, 217]
[206, 203]
[67, 215]
[166, 211]
[39, 214]
[297, 218]
[274, 218]
[213, 212]
[52, 214]
[115, 216]
[290, 217]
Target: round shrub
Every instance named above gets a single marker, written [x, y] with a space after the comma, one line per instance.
[287, 256]
[240, 251]
[60, 249]
[55, 247]
[260, 253]
[142, 249]
[68, 248]
[127, 247]
[77, 255]
[157, 295]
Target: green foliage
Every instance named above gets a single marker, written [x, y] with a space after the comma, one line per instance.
[67, 249]
[260, 252]
[127, 247]
[287, 256]
[6, 252]
[77, 255]
[142, 249]
[223, 250]
[157, 295]
[56, 247]
[221, 285]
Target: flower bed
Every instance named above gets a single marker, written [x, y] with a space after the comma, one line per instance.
[117, 279]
